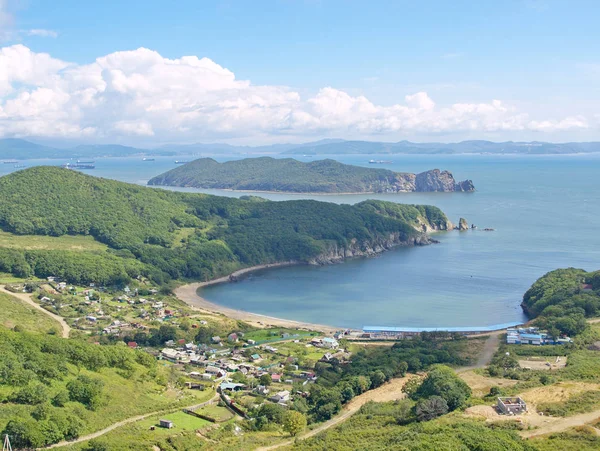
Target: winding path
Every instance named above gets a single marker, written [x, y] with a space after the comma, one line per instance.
[66, 330]
[114, 426]
[387, 392]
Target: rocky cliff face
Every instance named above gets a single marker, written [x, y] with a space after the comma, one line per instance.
[336, 253]
[428, 181]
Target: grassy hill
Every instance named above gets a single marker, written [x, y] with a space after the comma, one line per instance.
[289, 175]
[17, 313]
[53, 389]
[125, 230]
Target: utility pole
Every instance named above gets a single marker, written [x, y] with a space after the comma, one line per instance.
[6, 446]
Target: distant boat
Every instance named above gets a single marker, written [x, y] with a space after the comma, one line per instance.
[10, 162]
[85, 162]
[148, 159]
[79, 166]
[181, 162]
[380, 162]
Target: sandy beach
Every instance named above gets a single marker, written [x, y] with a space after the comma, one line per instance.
[189, 294]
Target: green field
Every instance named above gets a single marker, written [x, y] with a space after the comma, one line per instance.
[65, 242]
[274, 334]
[216, 412]
[139, 436]
[15, 312]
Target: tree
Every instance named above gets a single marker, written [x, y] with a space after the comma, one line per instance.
[377, 378]
[430, 408]
[272, 412]
[294, 422]
[411, 386]
[61, 398]
[24, 434]
[265, 379]
[85, 390]
[442, 381]
[31, 394]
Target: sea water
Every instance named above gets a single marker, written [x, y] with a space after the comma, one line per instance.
[544, 210]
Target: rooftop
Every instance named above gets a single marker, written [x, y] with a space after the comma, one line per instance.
[439, 329]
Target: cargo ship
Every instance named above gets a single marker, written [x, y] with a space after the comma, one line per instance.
[79, 166]
[85, 162]
[181, 162]
[148, 159]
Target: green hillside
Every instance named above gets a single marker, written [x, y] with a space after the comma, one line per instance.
[563, 298]
[289, 175]
[168, 235]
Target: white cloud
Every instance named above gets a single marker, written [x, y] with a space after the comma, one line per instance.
[139, 93]
[41, 32]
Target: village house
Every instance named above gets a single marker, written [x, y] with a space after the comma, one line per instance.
[511, 406]
[330, 343]
[166, 424]
[533, 336]
[276, 377]
[281, 397]
[231, 386]
[262, 390]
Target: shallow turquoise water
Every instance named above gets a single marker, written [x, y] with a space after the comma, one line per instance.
[544, 210]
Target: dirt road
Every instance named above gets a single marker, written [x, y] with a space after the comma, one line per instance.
[114, 426]
[562, 424]
[489, 349]
[27, 299]
[387, 392]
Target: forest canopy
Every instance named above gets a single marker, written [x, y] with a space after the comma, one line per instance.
[168, 235]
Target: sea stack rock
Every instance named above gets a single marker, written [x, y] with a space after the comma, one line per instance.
[463, 224]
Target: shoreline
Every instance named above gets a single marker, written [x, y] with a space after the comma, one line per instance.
[296, 193]
[188, 293]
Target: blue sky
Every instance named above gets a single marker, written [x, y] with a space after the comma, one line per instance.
[539, 58]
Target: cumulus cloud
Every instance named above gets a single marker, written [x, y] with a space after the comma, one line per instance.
[140, 93]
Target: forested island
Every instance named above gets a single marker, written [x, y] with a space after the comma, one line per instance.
[289, 175]
[166, 235]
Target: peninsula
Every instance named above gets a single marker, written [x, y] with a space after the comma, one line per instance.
[127, 231]
[289, 175]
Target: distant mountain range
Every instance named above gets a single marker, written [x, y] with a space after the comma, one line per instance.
[407, 147]
[20, 149]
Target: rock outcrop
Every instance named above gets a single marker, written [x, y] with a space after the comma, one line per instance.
[336, 253]
[463, 224]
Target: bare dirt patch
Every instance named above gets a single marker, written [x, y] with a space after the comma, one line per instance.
[481, 384]
[560, 391]
[487, 412]
[544, 363]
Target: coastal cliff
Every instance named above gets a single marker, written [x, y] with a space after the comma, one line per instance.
[289, 175]
[355, 248]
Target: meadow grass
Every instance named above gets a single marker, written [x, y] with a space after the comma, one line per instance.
[16, 313]
[215, 412]
[65, 242]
